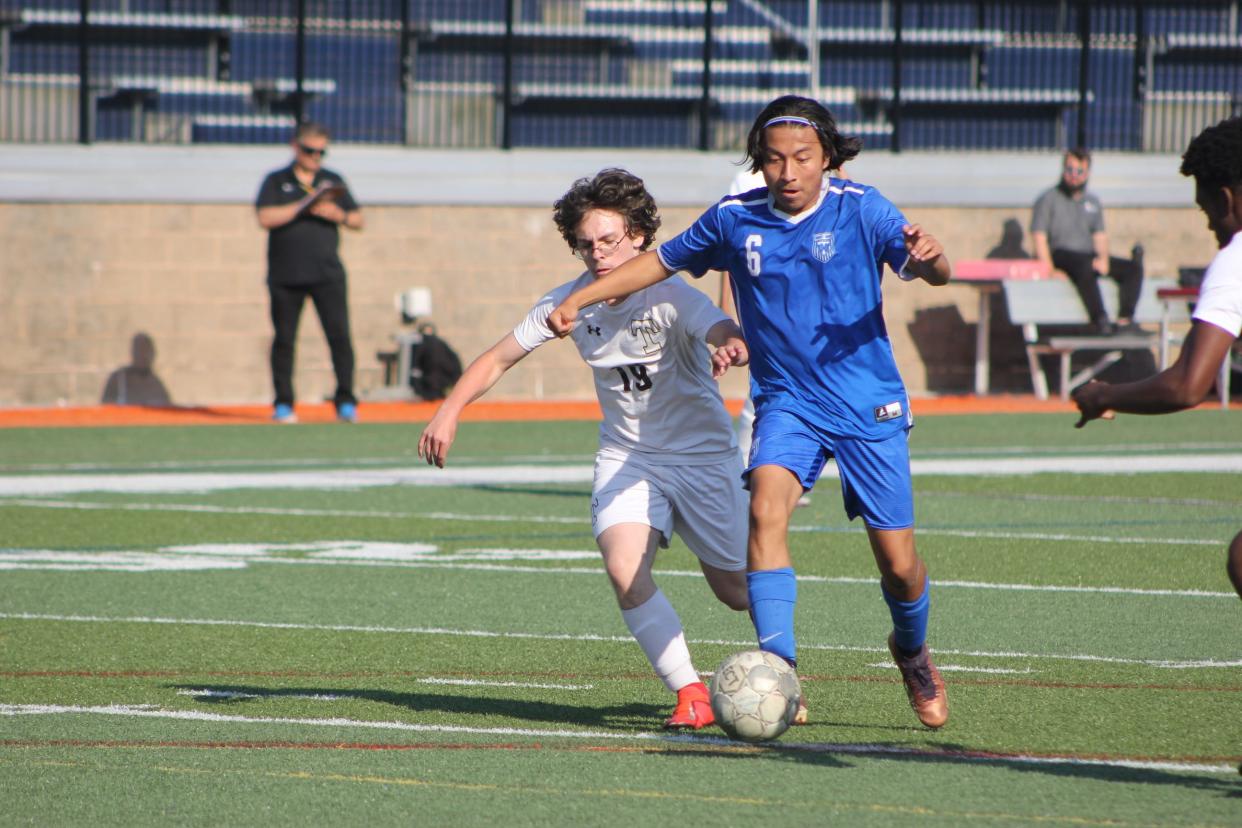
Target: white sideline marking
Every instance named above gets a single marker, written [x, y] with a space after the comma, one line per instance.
[48, 559]
[1040, 536]
[422, 555]
[926, 453]
[337, 478]
[578, 521]
[621, 639]
[288, 512]
[146, 711]
[335, 462]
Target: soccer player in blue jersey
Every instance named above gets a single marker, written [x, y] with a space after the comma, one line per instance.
[806, 255]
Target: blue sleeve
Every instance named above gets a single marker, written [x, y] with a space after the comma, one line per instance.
[697, 249]
[884, 222]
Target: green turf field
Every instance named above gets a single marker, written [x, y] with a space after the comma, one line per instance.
[300, 625]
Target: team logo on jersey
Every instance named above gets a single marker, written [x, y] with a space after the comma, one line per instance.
[824, 246]
[594, 330]
[649, 333]
[884, 413]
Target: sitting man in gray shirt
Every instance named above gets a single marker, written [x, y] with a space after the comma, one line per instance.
[1067, 229]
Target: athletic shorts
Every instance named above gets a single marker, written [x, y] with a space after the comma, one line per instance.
[705, 505]
[875, 475]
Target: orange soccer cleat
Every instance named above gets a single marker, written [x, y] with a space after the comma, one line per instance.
[694, 709]
[924, 687]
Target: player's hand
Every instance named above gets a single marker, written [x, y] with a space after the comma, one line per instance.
[1087, 398]
[1100, 265]
[733, 352]
[328, 211]
[437, 438]
[921, 245]
[562, 319]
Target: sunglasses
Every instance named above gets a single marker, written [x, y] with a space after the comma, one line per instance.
[312, 150]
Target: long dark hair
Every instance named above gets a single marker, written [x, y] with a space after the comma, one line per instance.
[838, 148]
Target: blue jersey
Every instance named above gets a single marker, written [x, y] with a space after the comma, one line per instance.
[807, 290]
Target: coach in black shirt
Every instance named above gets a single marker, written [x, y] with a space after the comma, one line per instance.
[302, 205]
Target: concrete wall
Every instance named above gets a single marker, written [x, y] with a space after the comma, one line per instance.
[79, 279]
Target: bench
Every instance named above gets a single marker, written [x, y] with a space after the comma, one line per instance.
[1055, 301]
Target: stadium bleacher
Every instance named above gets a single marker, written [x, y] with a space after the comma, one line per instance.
[973, 75]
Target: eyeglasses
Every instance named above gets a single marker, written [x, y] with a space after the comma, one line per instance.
[1076, 170]
[598, 249]
[312, 150]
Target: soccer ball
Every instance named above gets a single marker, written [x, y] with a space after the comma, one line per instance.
[755, 695]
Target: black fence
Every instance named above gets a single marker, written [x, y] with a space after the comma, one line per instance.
[1138, 76]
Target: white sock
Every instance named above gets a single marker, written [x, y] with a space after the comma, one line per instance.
[657, 629]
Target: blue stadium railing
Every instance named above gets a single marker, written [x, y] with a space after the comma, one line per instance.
[904, 74]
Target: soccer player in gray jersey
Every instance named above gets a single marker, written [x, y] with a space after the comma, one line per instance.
[667, 459]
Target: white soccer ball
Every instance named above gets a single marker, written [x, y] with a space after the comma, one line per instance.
[755, 695]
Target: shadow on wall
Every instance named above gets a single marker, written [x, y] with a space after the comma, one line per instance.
[946, 342]
[136, 383]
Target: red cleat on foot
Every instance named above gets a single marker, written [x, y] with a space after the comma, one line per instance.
[694, 709]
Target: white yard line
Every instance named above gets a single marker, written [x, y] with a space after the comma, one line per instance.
[145, 711]
[623, 639]
[413, 555]
[354, 478]
[555, 519]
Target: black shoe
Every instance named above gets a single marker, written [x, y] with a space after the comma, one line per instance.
[1104, 327]
[1130, 328]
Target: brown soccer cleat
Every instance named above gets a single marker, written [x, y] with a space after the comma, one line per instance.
[924, 687]
[694, 709]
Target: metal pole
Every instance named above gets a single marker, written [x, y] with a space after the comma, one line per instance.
[812, 44]
[1140, 68]
[895, 113]
[299, 102]
[406, 71]
[1084, 69]
[506, 104]
[84, 74]
[705, 100]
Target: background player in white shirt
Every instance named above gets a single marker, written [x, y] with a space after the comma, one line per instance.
[1214, 159]
[667, 457]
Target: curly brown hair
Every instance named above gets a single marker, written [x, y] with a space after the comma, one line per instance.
[611, 189]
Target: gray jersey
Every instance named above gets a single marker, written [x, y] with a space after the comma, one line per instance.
[1069, 222]
[652, 369]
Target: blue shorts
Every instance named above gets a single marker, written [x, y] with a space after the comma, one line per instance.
[875, 475]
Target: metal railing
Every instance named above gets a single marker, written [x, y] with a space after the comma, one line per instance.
[902, 74]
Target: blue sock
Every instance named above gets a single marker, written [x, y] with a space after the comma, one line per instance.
[909, 618]
[773, 593]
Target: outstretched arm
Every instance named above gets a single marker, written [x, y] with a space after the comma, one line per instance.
[638, 273]
[481, 375]
[1183, 384]
[729, 347]
[927, 259]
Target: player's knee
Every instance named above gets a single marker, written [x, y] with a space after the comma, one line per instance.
[903, 577]
[767, 513]
[1234, 563]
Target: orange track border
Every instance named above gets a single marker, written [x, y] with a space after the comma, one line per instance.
[416, 412]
